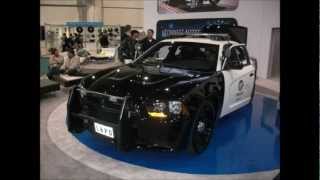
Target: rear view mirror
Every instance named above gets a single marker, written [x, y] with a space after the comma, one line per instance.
[128, 61]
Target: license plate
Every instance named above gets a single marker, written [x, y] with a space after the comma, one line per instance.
[104, 130]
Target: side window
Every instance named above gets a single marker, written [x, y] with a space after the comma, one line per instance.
[224, 54]
[159, 55]
[244, 57]
[234, 56]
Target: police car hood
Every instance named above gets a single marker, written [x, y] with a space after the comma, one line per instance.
[146, 81]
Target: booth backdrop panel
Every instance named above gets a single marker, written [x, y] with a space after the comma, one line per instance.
[117, 16]
[167, 28]
[123, 3]
[58, 15]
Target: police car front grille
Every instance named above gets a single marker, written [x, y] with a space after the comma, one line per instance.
[100, 107]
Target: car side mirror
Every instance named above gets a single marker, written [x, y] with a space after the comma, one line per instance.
[128, 61]
[235, 64]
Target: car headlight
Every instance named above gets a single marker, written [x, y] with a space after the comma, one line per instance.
[158, 110]
[175, 107]
[162, 109]
[159, 106]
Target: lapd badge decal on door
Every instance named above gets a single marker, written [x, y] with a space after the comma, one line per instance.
[240, 90]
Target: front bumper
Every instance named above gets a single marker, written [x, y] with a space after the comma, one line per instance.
[131, 129]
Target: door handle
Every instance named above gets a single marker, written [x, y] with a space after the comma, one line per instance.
[251, 74]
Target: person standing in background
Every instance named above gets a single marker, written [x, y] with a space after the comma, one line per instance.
[70, 42]
[126, 32]
[139, 44]
[83, 54]
[71, 65]
[148, 41]
[142, 36]
[77, 39]
[55, 63]
[104, 42]
[127, 48]
[74, 40]
[64, 42]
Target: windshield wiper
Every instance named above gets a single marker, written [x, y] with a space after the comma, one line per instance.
[136, 65]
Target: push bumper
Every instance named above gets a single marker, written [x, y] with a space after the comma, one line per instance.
[129, 131]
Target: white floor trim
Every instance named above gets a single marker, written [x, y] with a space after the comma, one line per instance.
[271, 84]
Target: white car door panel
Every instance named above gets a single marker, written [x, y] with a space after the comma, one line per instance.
[241, 86]
[238, 88]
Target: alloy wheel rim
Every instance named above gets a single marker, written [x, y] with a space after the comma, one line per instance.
[203, 130]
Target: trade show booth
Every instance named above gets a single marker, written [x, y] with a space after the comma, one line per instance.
[98, 55]
[90, 33]
[189, 106]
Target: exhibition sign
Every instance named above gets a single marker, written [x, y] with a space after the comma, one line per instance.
[185, 6]
[177, 27]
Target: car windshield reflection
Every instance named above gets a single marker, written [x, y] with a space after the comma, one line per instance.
[182, 55]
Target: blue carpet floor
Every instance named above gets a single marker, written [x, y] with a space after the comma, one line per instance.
[245, 141]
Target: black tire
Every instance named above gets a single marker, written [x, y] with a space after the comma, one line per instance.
[202, 128]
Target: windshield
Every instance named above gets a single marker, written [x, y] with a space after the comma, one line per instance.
[184, 55]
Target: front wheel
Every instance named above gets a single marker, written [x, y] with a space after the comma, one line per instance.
[202, 128]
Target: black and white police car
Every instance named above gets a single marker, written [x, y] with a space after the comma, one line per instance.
[169, 97]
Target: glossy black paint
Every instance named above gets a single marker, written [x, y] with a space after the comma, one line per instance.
[141, 86]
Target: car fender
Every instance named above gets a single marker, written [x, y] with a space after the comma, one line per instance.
[211, 90]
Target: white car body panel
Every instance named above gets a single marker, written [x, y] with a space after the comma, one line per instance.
[234, 97]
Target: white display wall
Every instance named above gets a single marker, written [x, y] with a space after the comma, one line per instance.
[111, 12]
[260, 16]
[123, 12]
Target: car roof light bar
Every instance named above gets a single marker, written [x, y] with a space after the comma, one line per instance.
[215, 36]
